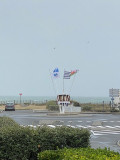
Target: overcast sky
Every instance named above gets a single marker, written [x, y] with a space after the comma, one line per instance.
[37, 36]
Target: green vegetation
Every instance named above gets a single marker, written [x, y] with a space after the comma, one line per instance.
[95, 107]
[79, 154]
[75, 103]
[52, 106]
[24, 143]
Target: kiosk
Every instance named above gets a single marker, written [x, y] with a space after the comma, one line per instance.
[63, 100]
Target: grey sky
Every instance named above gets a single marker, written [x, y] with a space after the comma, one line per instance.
[38, 35]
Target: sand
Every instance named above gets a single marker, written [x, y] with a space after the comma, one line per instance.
[23, 107]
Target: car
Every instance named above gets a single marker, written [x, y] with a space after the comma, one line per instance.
[9, 106]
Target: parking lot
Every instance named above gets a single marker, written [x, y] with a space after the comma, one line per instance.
[104, 128]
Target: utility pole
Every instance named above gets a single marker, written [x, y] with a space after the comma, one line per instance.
[20, 97]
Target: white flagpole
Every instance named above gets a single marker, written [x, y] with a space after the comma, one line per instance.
[53, 83]
[72, 82]
[63, 82]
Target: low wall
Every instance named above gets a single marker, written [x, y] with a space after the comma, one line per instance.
[72, 109]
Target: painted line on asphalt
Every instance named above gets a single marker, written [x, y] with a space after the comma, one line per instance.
[109, 127]
[80, 126]
[52, 126]
[117, 126]
[104, 132]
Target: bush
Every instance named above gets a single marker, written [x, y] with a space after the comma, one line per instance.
[79, 154]
[75, 103]
[86, 108]
[7, 122]
[52, 106]
[24, 143]
[60, 137]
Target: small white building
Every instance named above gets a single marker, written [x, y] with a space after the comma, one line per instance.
[63, 99]
[65, 105]
[117, 101]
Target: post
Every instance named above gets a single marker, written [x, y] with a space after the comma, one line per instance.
[112, 102]
[63, 85]
[20, 97]
[103, 106]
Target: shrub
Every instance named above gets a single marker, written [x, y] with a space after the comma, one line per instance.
[17, 143]
[24, 143]
[7, 122]
[75, 103]
[86, 108]
[79, 154]
[52, 106]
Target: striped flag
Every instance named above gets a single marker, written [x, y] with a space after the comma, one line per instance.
[66, 75]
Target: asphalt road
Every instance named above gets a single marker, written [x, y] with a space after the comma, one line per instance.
[105, 128]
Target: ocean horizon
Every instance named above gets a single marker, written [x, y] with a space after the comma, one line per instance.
[43, 99]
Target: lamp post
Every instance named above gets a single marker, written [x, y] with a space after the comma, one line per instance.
[20, 97]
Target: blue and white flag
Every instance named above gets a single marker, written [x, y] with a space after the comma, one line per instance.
[66, 75]
[56, 73]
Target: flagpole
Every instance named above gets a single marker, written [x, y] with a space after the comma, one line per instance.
[72, 82]
[63, 82]
[52, 82]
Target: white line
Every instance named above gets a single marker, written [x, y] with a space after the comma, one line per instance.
[108, 132]
[88, 121]
[71, 126]
[118, 121]
[79, 121]
[95, 134]
[112, 121]
[109, 127]
[59, 125]
[81, 126]
[52, 126]
[100, 126]
[105, 121]
[117, 126]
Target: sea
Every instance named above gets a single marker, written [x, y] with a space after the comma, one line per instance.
[43, 99]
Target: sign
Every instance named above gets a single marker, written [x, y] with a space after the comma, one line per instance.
[114, 92]
[20, 94]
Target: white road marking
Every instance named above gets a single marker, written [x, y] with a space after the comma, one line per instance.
[81, 126]
[117, 126]
[109, 127]
[105, 132]
[71, 126]
[59, 125]
[79, 121]
[52, 126]
[100, 126]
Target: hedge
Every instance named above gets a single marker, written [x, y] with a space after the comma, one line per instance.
[79, 154]
[24, 143]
